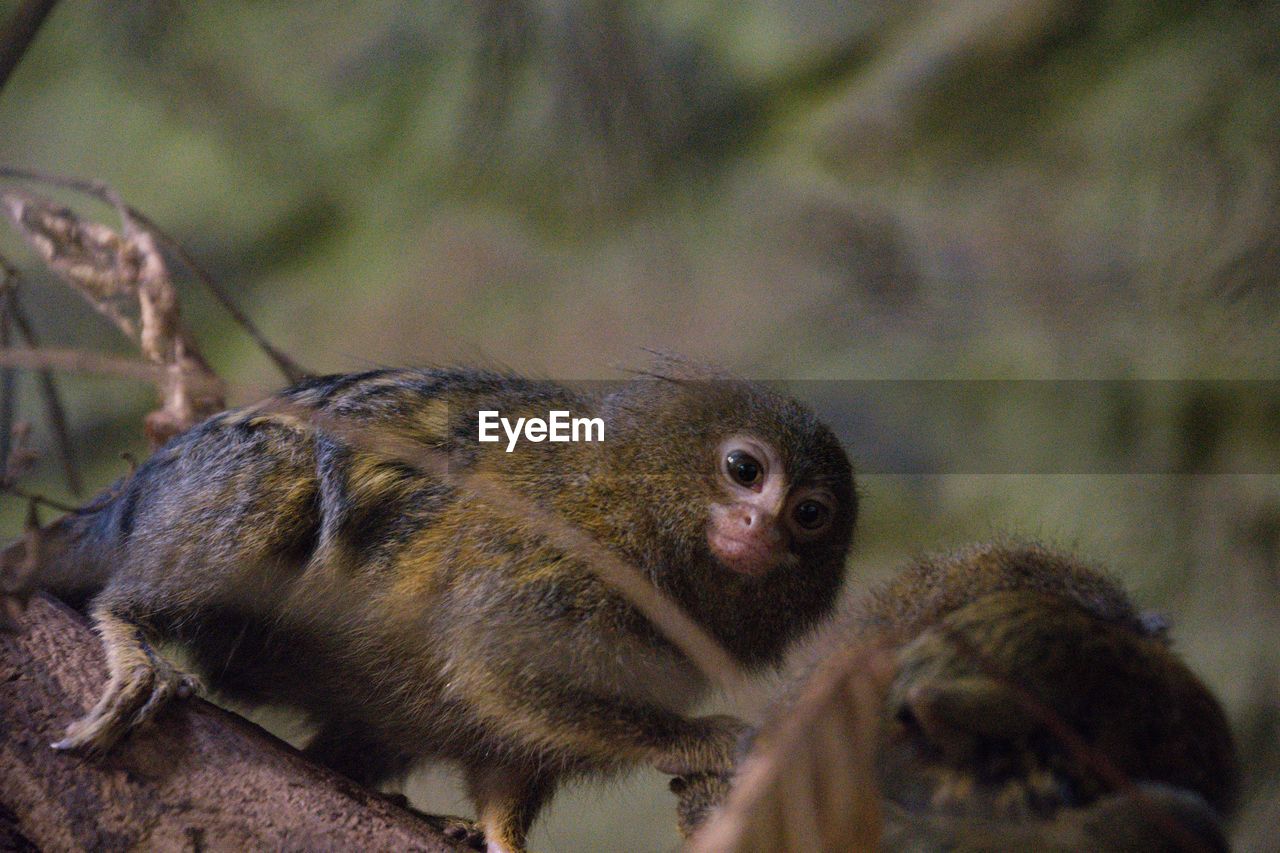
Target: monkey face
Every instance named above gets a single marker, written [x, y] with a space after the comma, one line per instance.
[753, 528]
[741, 504]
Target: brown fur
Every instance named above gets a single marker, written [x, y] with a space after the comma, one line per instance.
[1029, 691]
[415, 622]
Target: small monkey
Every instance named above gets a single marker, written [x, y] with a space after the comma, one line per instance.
[414, 622]
[1024, 703]
[1029, 694]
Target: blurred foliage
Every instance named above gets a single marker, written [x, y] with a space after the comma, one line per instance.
[798, 189]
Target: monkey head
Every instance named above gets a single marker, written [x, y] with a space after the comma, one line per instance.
[1022, 703]
[746, 503]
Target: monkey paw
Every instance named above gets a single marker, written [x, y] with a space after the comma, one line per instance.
[457, 829]
[129, 701]
[697, 796]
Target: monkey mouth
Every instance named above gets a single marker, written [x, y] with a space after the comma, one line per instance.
[746, 555]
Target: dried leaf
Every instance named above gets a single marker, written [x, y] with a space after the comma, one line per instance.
[91, 257]
[157, 301]
[107, 269]
[810, 782]
[290, 369]
[135, 219]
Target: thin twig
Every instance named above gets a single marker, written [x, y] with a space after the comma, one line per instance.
[79, 361]
[664, 614]
[88, 186]
[132, 217]
[20, 492]
[55, 411]
[291, 370]
[19, 32]
[8, 376]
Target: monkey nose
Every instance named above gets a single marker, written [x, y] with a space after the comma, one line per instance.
[758, 522]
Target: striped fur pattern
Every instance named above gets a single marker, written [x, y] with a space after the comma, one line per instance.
[414, 621]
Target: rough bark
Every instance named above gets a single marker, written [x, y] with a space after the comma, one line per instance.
[200, 778]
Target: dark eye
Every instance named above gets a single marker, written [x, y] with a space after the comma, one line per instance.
[743, 468]
[811, 514]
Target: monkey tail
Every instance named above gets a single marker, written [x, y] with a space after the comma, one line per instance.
[53, 558]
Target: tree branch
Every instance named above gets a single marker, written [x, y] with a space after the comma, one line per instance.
[18, 33]
[132, 218]
[200, 778]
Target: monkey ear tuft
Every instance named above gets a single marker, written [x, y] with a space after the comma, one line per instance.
[666, 374]
[974, 706]
[673, 367]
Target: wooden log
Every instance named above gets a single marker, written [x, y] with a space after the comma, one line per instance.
[200, 778]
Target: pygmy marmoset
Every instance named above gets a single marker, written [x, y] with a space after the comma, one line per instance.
[414, 621]
[1032, 705]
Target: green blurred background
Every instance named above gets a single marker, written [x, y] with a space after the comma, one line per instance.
[796, 189]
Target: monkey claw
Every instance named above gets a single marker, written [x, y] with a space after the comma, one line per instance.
[133, 697]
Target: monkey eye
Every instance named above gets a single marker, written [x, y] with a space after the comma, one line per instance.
[743, 468]
[811, 514]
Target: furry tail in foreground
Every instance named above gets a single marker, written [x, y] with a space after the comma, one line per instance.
[59, 558]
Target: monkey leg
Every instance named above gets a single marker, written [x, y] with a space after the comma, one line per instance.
[607, 730]
[507, 800]
[140, 683]
[355, 751]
